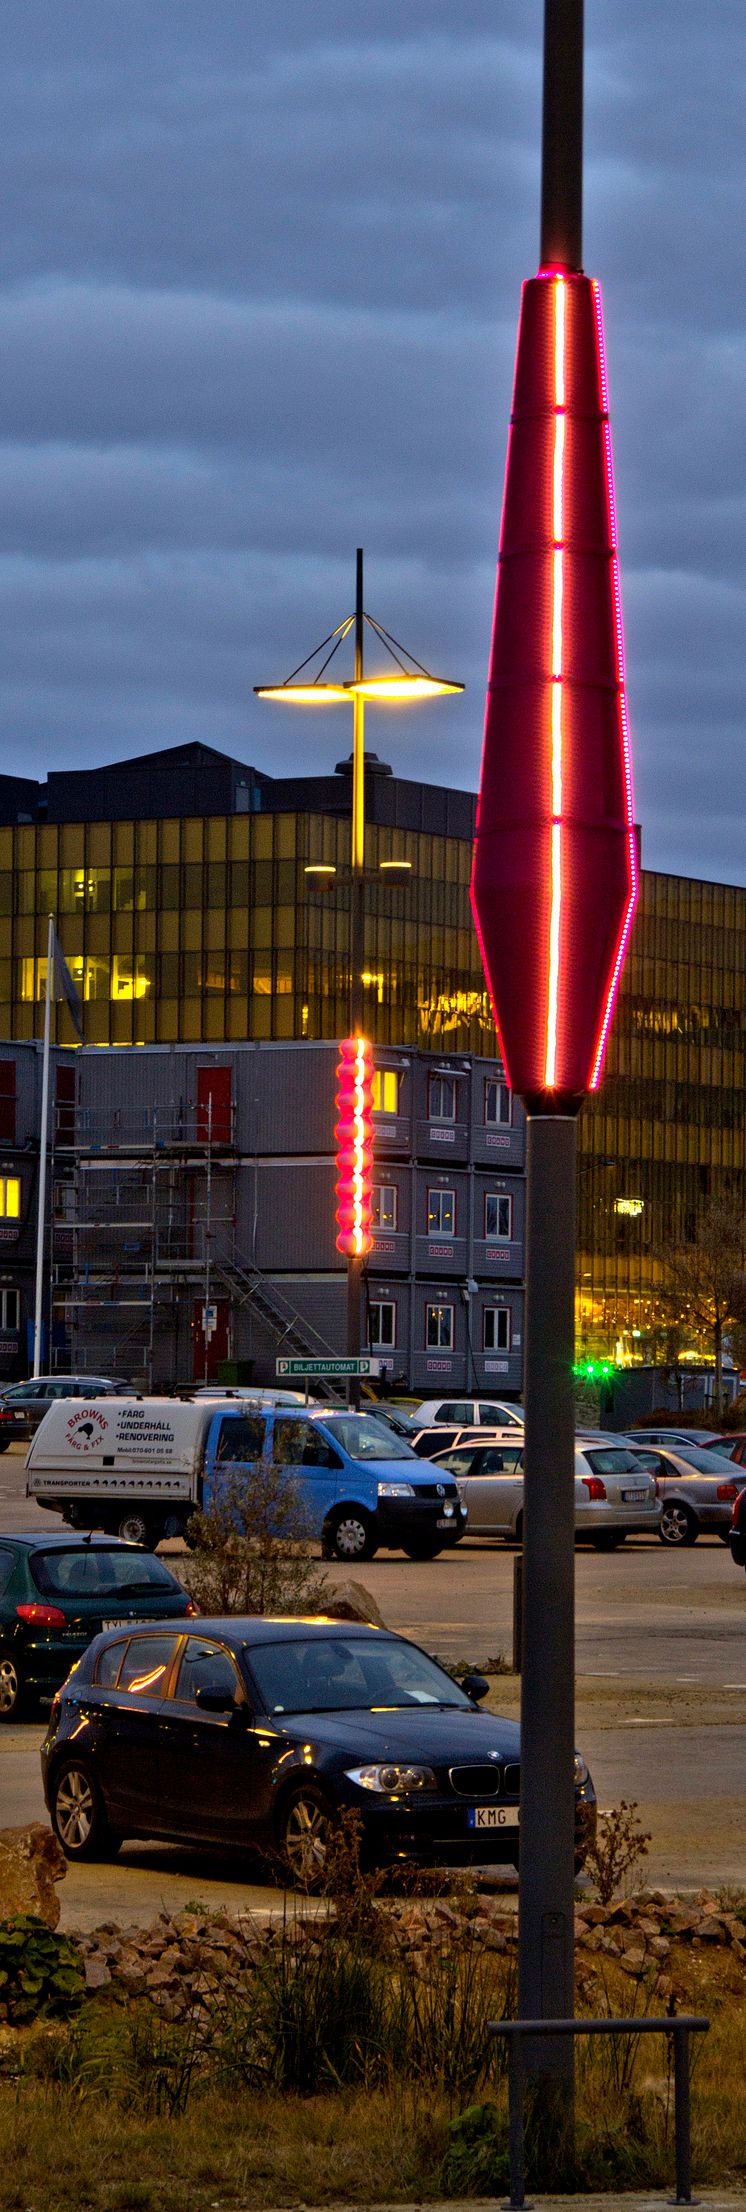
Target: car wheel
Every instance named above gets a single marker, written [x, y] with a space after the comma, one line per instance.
[11, 1687]
[724, 1535]
[350, 1535]
[608, 1539]
[136, 1528]
[4, 1443]
[78, 1814]
[422, 1549]
[677, 1524]
[304, 1827]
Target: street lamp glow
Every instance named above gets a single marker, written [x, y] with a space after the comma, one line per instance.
[406, 688]
[304, 695]
[320, 868]
[394, 864]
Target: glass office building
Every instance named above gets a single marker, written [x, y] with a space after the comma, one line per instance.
[182, 904]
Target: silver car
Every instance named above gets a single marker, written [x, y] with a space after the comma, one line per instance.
[697, 1490]
[614, 1496]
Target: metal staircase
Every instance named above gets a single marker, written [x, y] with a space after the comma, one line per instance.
[246, 1285]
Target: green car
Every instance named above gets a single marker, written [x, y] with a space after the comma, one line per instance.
[57, 1592]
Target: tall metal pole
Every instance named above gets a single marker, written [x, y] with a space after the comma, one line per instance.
[43, 1131]
[357, 926]
[546, 1884]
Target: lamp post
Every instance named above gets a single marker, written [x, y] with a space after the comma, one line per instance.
[404, 682]
[553, 891]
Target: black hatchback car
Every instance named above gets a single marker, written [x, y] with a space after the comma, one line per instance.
[56, 1592]
[256, 1733]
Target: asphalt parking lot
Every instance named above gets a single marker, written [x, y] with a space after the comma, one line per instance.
[661, 1701]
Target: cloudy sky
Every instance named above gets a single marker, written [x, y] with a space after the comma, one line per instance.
[261, 263]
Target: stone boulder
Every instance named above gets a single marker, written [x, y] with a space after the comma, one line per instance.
[352, 1602]
[31, 1863]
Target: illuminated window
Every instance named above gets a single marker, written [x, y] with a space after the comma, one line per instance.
[441, 1213]
[384, 1206]
[496, 1329]
[381, 1323]
[441, 1098]
[439, 1328]
[10, 1311]
[128, 976]
[498, 1103]
[631, 1206]
[10, 1198]
[386, 1091]
[498, 1215]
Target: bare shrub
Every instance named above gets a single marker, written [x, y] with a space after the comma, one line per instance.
[620, 1844]
[251, 1546]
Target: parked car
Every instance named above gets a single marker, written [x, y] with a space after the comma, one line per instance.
[13, 1425]
[259, 1732]
[732, 1445]
[255, 1394]
[56, 1592]
[31, 1400]
[703, 1438]
[427, 1443]
[614, 1497]
[737, 1530]
[141, 1466]
[490, 1413]
[697, 1490]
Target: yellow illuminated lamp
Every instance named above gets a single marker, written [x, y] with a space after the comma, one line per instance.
[394, 864]
[320, 868]
[304, 695]
[405, 688]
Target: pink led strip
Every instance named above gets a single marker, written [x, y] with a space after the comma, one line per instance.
[623, 717]
[558, 580]
[358, 1241]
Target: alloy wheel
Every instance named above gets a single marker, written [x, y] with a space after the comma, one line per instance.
[74, 1809]
[677, 1524]
[9, 1686]
[306, 1839]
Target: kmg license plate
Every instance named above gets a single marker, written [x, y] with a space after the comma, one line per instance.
[634, 1497]
[492, 1816]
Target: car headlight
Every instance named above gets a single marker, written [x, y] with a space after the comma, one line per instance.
[395, 1490]
[392, 1781]
[581, 1771]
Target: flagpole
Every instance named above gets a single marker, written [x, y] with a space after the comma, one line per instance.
[42, 1197]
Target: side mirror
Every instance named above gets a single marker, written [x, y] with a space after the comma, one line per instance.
[475, 1686]
[217, 1701]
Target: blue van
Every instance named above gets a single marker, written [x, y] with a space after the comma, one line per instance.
[362, 1486]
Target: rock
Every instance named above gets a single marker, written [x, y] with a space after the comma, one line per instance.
[31, 1863]
[660, 1947]
[96, 1974]
[710, 1928]
[352, 1602]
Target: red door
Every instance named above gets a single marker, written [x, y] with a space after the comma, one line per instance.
[214, 1091]
[212, 1338]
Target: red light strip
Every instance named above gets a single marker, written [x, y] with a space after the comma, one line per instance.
[359, 1239]
[558, 560]
[623, 715]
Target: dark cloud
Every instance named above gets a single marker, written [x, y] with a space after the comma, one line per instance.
[259, 280]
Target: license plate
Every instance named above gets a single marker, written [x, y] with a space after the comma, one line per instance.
[133, 1620]
[492, 1816]
[448, 1523]
[634, 1497]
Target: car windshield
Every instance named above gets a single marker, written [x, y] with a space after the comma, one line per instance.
[363, 1437]
[91, 1571]
[706, 1463]
[338, 1673]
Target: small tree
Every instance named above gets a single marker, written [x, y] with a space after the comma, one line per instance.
[706, 1280]
[252, 1545]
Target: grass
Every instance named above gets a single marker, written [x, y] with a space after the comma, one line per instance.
[345, 2073]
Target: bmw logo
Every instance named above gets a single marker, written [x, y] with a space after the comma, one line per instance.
[441, 1489]
[494, 1754]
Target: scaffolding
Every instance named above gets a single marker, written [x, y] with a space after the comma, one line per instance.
[143, 1220]
[143, 1249]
